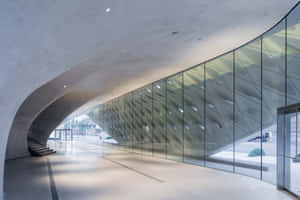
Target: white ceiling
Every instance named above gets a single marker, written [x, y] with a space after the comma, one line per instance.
[42, 39]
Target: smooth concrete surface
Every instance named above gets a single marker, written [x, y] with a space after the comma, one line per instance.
[27, 179]
[89, 171]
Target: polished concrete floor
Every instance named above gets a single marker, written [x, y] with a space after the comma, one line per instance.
[89, 171]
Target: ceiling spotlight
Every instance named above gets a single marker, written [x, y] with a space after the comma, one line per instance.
[107, 10]
[65, 86]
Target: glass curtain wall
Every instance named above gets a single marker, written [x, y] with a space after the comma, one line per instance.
[219, 114]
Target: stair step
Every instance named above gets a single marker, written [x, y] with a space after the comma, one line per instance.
[43, 150]
[47, 153]
[37, 149]
[33, 145]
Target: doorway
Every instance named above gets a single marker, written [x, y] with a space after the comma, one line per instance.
[288, 149]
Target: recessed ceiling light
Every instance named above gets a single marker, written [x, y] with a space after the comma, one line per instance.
[218, 125]
[201, 126]
[219, 82]
[107, 10]
[194, 108]
[186, 127]
[180, 110]
[65, 86]
[175, 32]
[211, 105]
[229, 101]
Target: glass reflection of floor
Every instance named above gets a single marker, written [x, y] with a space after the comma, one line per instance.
[269, 160]
[250, 166]
[295, 177]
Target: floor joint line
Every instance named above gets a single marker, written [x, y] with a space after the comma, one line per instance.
[54, 193]
[132, 169]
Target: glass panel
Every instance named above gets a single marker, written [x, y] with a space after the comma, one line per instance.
[273, 96]
[248, 110]
[130, 118]
[295, 161]
[219, 113]
[194, 138]
[159, 118]
[114, 123]
[147, 119]
[110, 116]
[295, 176]
[293, 134]
[139, 120]
[175, 117]
[297, 142]
[293, 57]
[101, 117]
[107, 124]
[136, 123]
[118, 121]
[122, 125]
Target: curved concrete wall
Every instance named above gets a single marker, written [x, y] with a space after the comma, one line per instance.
[54, 114]
[136, 43]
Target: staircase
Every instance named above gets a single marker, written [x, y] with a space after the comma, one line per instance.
[37, 149]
